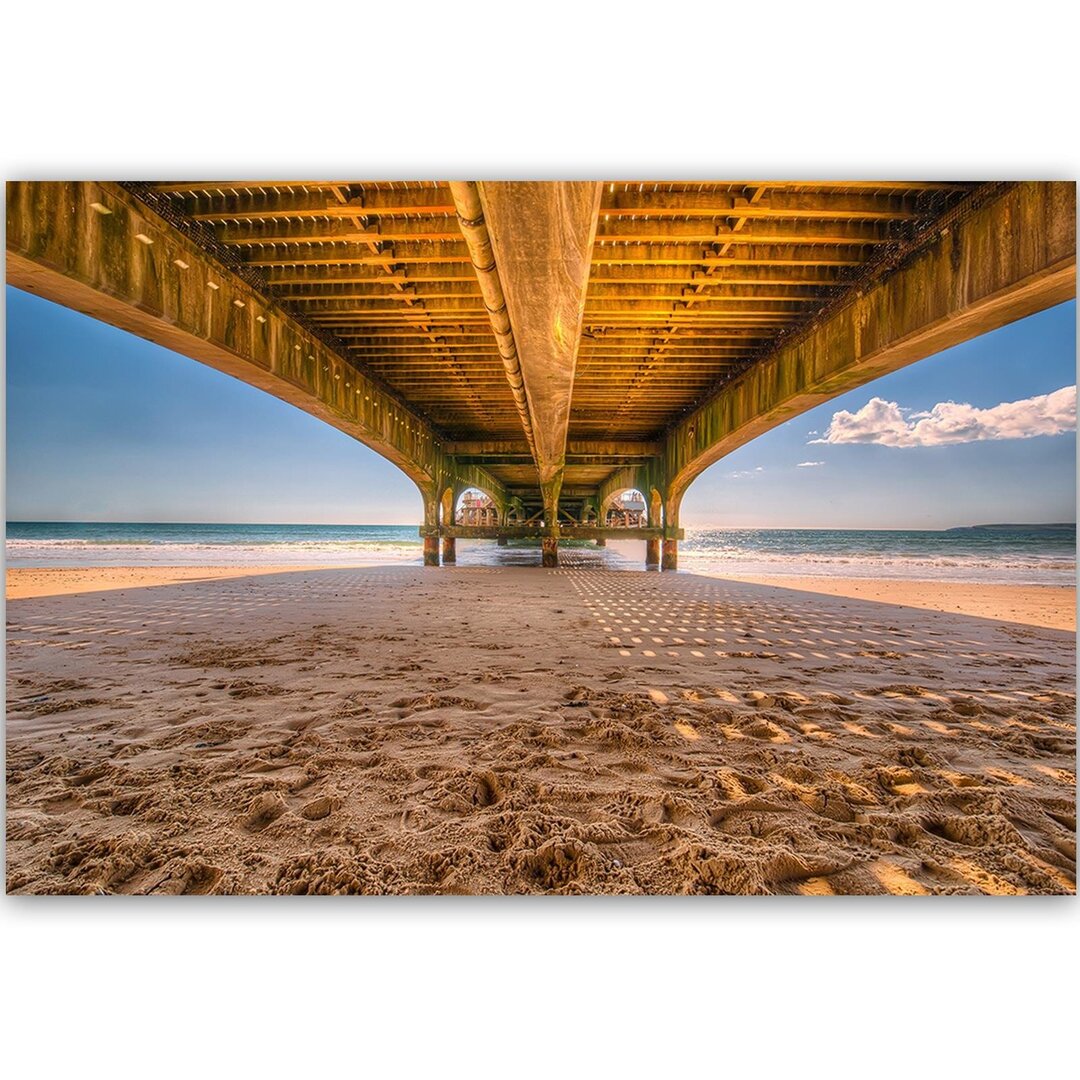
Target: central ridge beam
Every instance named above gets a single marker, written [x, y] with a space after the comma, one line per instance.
[540, 238]
[542, 235]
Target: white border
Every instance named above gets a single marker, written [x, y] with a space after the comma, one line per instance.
[447, 987]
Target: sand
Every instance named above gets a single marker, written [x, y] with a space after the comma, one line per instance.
[519, 730]
[26, 582]
[1037, 605]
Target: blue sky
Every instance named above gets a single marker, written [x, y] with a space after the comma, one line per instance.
[876, 486]
[105, 426]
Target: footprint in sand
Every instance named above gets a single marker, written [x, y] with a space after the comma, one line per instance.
[264, 810]
[318, 809]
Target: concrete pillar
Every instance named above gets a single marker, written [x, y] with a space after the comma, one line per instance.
[601, 542]
[550, 542]
[670, 560]
[449, 550]
[652, 553]
[502, 541]
[430, 531]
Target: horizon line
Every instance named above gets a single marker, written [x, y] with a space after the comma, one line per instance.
[688, 528]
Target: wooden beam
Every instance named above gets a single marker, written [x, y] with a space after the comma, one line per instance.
[619, 230]
[541, 235]
[95, 248]
[810, 206]
[999, 259]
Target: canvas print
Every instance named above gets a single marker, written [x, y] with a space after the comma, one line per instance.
[559, 537]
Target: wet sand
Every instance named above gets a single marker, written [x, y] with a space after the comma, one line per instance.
[516, 730]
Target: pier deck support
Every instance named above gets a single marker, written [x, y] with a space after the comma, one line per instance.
[431, 551]
[550, 555]
[502, 541]
[449, 550]
[601, 542]
[670, 558]
[652, 553]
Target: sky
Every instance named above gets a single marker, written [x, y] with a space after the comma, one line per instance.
[104, 426]
[788, 479]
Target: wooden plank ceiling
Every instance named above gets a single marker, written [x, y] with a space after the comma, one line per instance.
[689, 283]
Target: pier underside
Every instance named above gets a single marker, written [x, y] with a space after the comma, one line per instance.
[550, 344]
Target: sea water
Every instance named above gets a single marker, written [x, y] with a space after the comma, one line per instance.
[1019, 554]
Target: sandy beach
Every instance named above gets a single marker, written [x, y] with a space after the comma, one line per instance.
[1035, 605]
[506, 729]
[26, 582]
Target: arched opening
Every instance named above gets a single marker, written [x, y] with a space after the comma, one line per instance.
[476, 508]
[626, 510]
[884, 481]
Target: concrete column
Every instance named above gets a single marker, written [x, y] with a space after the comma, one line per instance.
[652, 553]
[669, 560]
[449, 550]
[550, 542]
[430, 531]
[502, 541]
[601, 542]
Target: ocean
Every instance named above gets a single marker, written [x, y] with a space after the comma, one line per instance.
[1016, 554]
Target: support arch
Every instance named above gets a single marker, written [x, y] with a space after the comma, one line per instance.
[961, 283]
[636, 515]
[475, 515]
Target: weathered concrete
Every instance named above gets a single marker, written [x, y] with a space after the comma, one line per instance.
[669, 559]
[431, 551]
[449, 549]
[652, 552]
[550, 551]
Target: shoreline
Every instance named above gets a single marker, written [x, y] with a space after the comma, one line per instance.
[1049, 606]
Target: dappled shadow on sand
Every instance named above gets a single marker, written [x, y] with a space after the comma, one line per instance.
[510, 730]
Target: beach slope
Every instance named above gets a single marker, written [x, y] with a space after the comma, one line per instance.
[518, 730]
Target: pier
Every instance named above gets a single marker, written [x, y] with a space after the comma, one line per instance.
[551, 345]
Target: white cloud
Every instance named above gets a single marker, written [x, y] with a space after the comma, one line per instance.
[743, 473]
[809, 464]
[948, 422]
